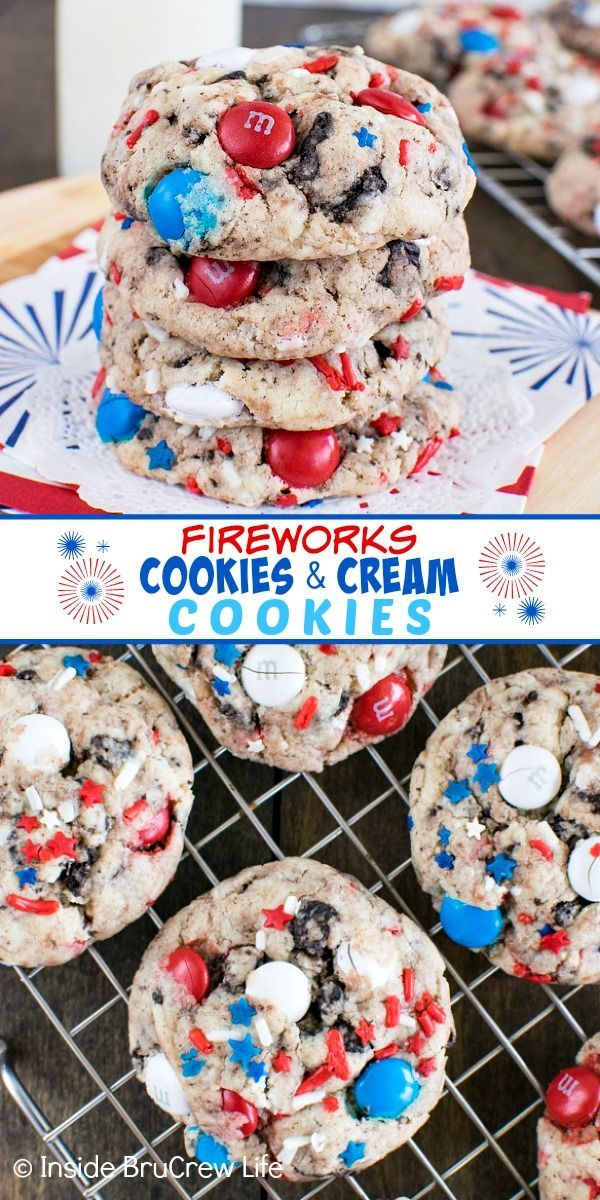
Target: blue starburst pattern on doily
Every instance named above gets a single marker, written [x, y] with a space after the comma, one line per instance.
[33, 341]
[511, 564]
[531, 611]
[70, 545]
[542, 343]
[500, 610]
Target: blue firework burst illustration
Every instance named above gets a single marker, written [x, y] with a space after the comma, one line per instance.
[542, 343]
[102, 547]
[531, 611]
[36, 336]
[500, 610]
[70, 545]
[511, 565]
[90, 591]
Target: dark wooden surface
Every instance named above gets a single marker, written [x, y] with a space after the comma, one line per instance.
[297, 819]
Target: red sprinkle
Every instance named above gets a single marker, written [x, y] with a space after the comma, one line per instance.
[405, 153]
[349, 375]
[286, 500]
[320, 65]
[96, 656]
[555, 942]
[316, 1080]
[91, 793]
[135, 809]
[331, 1104]
[328, 649]
[412, 311]
[282, 1062]
[415, 1044]
[155, 736]
[303, 718]
[59, 846]
[427, 454]
[448, 283]
[32, 850]
[595, 851]
[426, 1066]
[149, 118]
[377, 80]
[392, 1011]
[525, 919]
[27, 823]
[337, 1059]
[192, 486]
[386, 425]
[336, 382]
[200, 1041]
[224, 445]
[408, 984]
[426, 1023]
[365, 1031]
[276, 918]
[436, 1011]
[542, 848]
[244, 187]
[523, 972]
[401, 349]
[41, 908]
[386, 1051]
[98, 383]
[115, 273]
[7, 669]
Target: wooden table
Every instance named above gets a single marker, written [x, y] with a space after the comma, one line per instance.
[38, 220]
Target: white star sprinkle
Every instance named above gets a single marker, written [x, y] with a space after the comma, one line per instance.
[475, 828]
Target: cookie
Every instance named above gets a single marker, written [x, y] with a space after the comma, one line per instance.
[525, 103]
[252, 466]
[286, 153]
[577, 23]
[290, 309]
[573, 185]
[505, 824]
[290, 1013]
[301, 708]
[437, 40]
[169, 377]
[95, 792]
[568, 1138]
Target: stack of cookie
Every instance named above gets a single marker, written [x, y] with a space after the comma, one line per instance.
[287, 223]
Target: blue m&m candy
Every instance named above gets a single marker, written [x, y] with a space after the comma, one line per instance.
[478, 41]
[211, 1152]
[470, 926]
[98, 315]
[184, 206]
[386, 1088]
[118, 418]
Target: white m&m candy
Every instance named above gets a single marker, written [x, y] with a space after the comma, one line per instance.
[583, 868]
[163, 1086]
[350, 961]
[202, 402]
[233, 58]
[38, 742]
[284, 985]
[273, 674]
[530, 777]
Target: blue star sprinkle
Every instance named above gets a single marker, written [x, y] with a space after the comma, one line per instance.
[127, 223]
[410, 821]
[469, 157]
[221, 686]
[243, 1051]
[501, 867]
[458, 790]
[226, 653]
[546, 930]
[445, 860]
[191, 1064]
[211, 1152]
[242, 1012]
[26, 875]
[160, 457]
[364, 137]
[477, 752]
[353, 1152]
[79, 664]
[423, 107]
[485, 775]
[444, 835]
[256, 1071]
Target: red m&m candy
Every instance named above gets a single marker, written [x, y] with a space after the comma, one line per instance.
[156, 830]
[256, 134]
[302, 459]
[384, 708]
[392, 104]
[221, 284]
[573, 1097]
[189, 968]
[234, 1103]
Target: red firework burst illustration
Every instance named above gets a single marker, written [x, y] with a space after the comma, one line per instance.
[91, 591]
[511, 565]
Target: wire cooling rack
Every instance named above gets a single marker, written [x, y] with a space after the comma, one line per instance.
[512, 1036]
[513, 180]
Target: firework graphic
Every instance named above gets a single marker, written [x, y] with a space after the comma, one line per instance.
[70, 545]
[90, 591]
[531, 611]
[511, 565]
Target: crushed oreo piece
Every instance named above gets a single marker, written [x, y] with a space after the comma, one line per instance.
[110, 752]
[305, 163]
[310, 928]
[371, 183]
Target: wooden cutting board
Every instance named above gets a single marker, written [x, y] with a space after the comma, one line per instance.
[38, 220]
